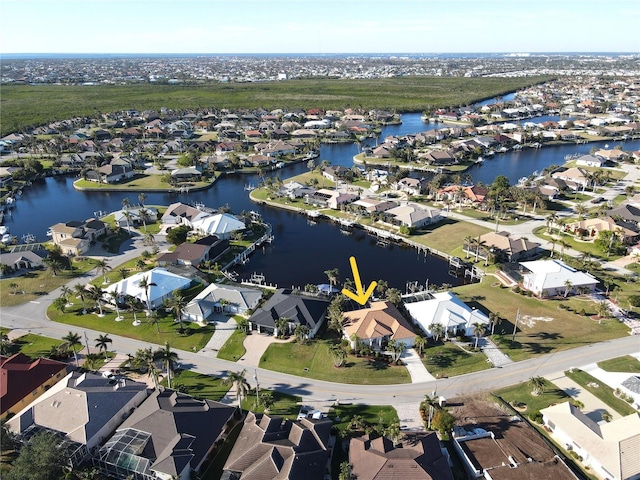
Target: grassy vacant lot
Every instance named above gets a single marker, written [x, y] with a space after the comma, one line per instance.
[36, 346]
[37, 283]
[602, 391]
[233, 349]
[314, 360]
[138, 183]
[199, 386]
[543, 326]
[168, 329]
[25, 105]
[521, 393]
[284, 405]
[449, 360]
[628, 363]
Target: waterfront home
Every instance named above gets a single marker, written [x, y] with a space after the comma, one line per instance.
[590, 161]
[76, 237]
[506, 248]
[615, 154]
[83, 408]
[413, 215]
[182, 214]
[111, 173]
[465, 194]
[194, 253]
[25, 379]
[24, 260]
[549, 278]
[333, 199]
[169, 436]
[446, 309]
[376, 325]
[334, 172]
[412, 186]
[136, 216]
[590, 228]
[161, 285]
[575, 178]
[186, 174]
[294, 190]
[610, 449]
[417, 456]
[270, 447]
[219, 298]
[438, 157]
[222, 225]
[373, 205]
[297, 309]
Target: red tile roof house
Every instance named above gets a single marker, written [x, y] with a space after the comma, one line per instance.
[378, 324]
[23, 379]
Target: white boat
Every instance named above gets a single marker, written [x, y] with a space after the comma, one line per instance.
[3, 230]
[6, 239]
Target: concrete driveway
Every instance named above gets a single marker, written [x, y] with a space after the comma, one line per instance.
[256, 344]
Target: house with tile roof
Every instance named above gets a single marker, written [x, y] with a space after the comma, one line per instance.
[508, 248]
[376, 325]
[170, 435]
[75, 237]
[415, 457]
[298, 309]
[85, 408]
[23, 380]
[413, 215]
[194, 253]
[271, 448]
[609, 449]
[590, 228]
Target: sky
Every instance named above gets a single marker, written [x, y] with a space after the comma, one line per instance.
[318, 26]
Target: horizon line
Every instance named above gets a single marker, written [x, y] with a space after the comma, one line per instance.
[508, 52]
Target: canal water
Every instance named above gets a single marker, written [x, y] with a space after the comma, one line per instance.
[302, 251]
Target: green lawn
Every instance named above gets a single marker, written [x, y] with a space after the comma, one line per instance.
[196, 339]
[448, 360]
[628, 363]
[138, 183]
[200, 386]
[543, 326]
[37, 283]
[602, 391]
[521, 393]
[36, 346]
[315, 361]
[285, 405]
[233, 349]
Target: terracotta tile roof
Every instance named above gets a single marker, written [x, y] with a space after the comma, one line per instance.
[380, 319]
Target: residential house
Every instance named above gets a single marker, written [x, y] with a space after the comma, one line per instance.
[415, 457]
[330, 198]
[615, 154]
[575, 178]
[592, 227]
[180, 213]
[506, 248]
[412, 186]
[219, 298]
[136, 216]
[446, 309]
[162, 284]
[438, 157]
[295, 190]
[334, 172]
[548, 278]
[84, 407]
[76, 237]
[222, 225]
[170, 436]
[297, 309]
[186, 174]
[194, 253]
[413, 215]
[372, 205]
[609, 449]
[626, 213]
[272, 448]
[591, 161]
[23, 380]
[111, 173]
[27, 259]
[376, 325]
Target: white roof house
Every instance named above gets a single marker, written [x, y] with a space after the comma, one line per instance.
[219, 224]
[221, 298]
[448, 310]
[164, 284]
[610, 449]
[552, 277]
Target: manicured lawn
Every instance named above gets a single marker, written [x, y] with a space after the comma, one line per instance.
[602, 391]
[197, 339]
[285, 405]
[315, 361]
[233, 349]
[137, 183]
[521, 393]
[200, 386]
[448, 235]
[37, 283]
[628, 363]
[543, 327]
[36, 346]
[448, 360]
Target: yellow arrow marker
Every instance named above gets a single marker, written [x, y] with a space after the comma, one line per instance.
[361, 297]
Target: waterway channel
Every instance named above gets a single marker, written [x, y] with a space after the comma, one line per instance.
[302, 251]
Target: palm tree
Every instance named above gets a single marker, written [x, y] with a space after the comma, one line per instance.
[146, 285]
[91, 361]
[239, 382]
[169, 358]
[81, 293]
[102, 343]
[537, 385]
[65, 292]
[72, 340]
[142, 197]
[381, 287]
[53, 265]
[144, 215]
[153, 319]
[468, 242]
[103, 267]
[145, 359]
[478, 330]
[495, 320]
[567, 287]
[580, 209]
[132, 302]
[14, 288]
[177, 304]
[602, 309]
[432, 403]
[60, 303]
[420, 342]
[124, 272]
[339, 355]
[126, 203]
[116, 296]
[128, 217]
[95, 293]
[333, 276]
[282, 324]
[149, 239]
[396, 349]
[302, 333]
[436, 330]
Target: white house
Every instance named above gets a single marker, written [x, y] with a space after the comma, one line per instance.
[548, 278]
[222, 225]
[163, 284]
[447, 310]
[590, 161]
[609, 449]
[222, 298]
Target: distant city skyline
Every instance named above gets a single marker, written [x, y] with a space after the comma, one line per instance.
[318, 26]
